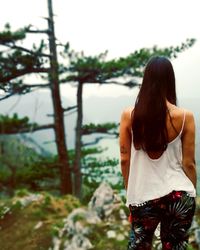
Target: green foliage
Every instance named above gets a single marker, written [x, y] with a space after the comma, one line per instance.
[14, 151]
[190, 248]
[99, 239]
[47, 201]
[78, 217]
[14, 124]
[99, 128]
[4, 209]
[9, 207]
[18, 223]
[16, 206]
[7, 36]
[95, 170]
[70, 202]
[85, 152]
[22, 192]
[91, 151]
[55, 228]
[23, 167]
[43, 169]
[96, 69]
[33, 172]
[19, 61]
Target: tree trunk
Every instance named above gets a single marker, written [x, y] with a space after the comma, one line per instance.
[65, 172]
[77, 160]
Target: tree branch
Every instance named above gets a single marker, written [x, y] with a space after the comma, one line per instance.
[93, 142]
[96, 141]
[70, 108]
[25, 50]
[21, 88]
[106, 128]
[130, 83]
[23, 72]
[27, 130]
[100, 130]
[37, 85]
[73, 111]
[7, 96]
[65, 110]
[38, 31]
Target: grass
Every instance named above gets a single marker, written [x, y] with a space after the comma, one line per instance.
[99, 239]
[17, 228]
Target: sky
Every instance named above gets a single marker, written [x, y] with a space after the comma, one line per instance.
[121, 27]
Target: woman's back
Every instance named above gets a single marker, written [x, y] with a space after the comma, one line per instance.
[157, 149]
[175, 120]
[155, 174]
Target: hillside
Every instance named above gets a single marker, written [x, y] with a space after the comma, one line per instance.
[41, 221]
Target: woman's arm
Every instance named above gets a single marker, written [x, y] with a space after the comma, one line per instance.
[188, 148]
[125, 144]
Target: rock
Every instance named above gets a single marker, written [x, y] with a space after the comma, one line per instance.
[78, 242]
[56, 243]
[104, 204]
[25, 201]
[4, 211]
[82, 213]
[38, 225]
[197, 236]
[73, 223]
[120, 237]
[122, 214]
[157, 231]
[104, 201]
[111, 234]
[77, 228]
[123, 217]
[194, 224]
[125, 222]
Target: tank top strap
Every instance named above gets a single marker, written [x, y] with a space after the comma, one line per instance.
[183, 123]
[131, 110]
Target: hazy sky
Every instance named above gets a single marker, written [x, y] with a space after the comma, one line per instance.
[121, 27]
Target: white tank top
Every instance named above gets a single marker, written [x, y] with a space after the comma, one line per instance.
[153, 178]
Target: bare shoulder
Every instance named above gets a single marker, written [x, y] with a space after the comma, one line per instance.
[126, 113]
[179, 112]
[189, 120]
[188, 114]
[189, 123]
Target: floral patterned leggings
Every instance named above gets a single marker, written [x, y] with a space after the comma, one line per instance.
[174, 212]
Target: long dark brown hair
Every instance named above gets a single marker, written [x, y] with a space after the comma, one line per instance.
[149, 120]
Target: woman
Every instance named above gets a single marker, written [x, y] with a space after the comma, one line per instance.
[157, 149]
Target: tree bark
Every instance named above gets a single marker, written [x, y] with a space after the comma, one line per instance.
[77, 160]
[65, 172]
